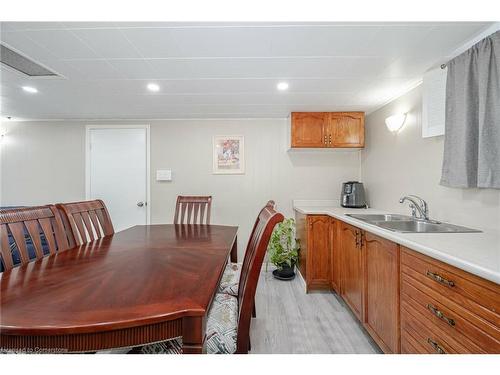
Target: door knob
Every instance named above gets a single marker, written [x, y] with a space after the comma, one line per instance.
[140, 204]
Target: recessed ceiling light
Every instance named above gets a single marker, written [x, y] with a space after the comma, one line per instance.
[30, 89]
[153, 87]
[282, 86]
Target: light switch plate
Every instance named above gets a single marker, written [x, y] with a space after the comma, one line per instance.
[163, 175]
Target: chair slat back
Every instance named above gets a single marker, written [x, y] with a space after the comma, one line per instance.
[250, 270]
[193, 209]
[270, 204]
[86, 221]
[28, 228]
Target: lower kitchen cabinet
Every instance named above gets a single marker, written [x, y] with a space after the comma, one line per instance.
[314, 234]
[335, 255]
[445, 309]
[352, 280]
[407, 301]
[318, 272]
[381, 297]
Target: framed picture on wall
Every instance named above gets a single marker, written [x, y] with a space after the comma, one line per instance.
[228, 154]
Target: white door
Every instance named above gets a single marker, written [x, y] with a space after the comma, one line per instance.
[117, 172]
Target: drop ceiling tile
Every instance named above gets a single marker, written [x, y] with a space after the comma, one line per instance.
[269, 99]
[134, 69]
[230, 86]
[88, 25]
[197, 42]
[96, 69]
[107, 43]
[286, 40]
[24, 26]
[62, 43]
[396, 41]
[333, 67]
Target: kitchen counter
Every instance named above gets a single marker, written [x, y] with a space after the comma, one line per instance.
[477, 253]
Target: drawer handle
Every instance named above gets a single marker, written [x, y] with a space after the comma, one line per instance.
[440, 279]
[359, 239]
[436, 346]
[433, 309]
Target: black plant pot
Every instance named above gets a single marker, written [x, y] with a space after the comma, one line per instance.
[285, 273]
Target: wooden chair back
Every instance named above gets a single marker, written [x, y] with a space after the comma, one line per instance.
[250, 271]
[193, 209]
[270, 204]
[30, 227]
[86, 221]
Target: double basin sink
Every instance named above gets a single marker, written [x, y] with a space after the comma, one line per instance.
[408, 224]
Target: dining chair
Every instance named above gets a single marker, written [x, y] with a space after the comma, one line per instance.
[192, 209]
[229, 319]
[85, 221]
[231, 277]
[30, 233]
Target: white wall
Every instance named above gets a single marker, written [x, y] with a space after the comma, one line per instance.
[44, 162]
[394, 165]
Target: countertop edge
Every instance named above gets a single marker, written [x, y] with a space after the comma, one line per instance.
[399, 238]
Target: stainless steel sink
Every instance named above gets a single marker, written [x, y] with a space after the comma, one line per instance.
[408, 224]
[419, 226]
[379, 217]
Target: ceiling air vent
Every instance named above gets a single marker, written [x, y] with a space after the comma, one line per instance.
[23, 64]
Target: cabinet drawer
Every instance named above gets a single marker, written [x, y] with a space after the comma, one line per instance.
[410, 345]
[476, 334]
[429, 336]
[477, 295]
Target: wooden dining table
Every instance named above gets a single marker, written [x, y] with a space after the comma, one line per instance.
[142, 285]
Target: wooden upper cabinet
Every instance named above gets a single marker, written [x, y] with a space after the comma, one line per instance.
[310, 129]
[347, 129]
[327, 129]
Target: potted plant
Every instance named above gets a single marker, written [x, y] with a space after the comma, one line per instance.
[283, 250]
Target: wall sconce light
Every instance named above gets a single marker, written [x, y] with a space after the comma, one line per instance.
[395, 122]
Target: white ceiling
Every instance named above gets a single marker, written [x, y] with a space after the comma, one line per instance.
[220, 69]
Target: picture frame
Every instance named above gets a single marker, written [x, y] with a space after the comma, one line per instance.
[228, 154]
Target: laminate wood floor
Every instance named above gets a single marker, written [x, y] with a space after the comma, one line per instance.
[291, 321]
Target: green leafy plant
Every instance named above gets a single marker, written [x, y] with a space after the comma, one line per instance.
[283, 247]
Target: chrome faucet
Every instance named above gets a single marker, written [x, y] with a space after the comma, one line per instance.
[417, 204]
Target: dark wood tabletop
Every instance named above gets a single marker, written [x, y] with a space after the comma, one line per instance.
[144, 284]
